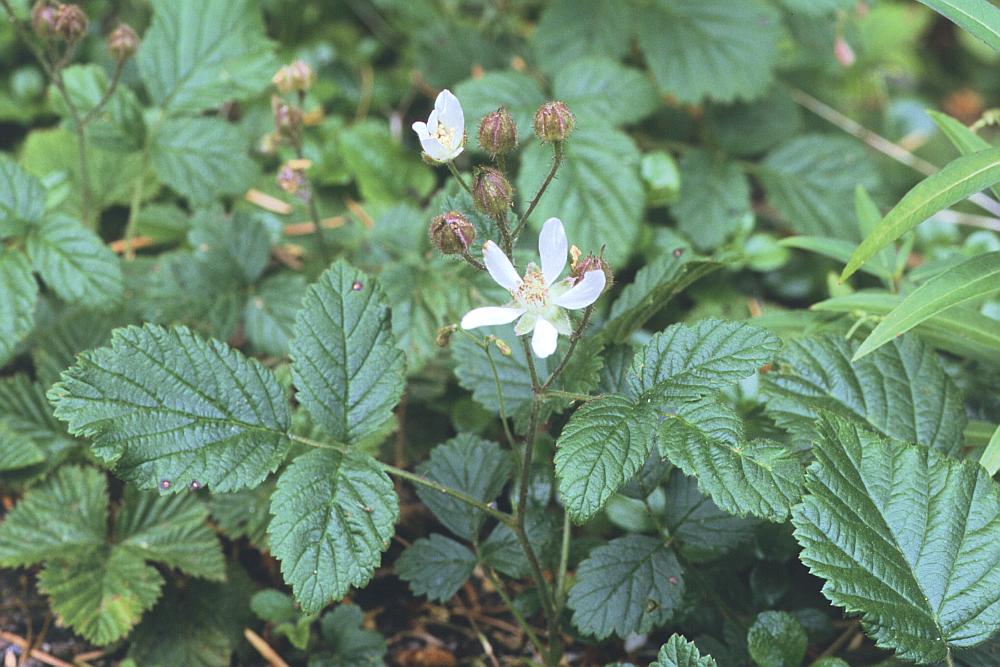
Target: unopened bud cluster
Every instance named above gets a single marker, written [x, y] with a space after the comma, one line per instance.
[297, 77]
[57, 21]
[452, 233]
[293, 180]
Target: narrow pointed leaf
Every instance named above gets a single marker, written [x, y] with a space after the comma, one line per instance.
[960, 179]
[961, 137]
[972, 279]
[978, 17]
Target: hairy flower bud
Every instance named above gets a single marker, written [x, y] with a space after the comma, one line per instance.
[43, 20]
[591, 262]
[292, 179]
[123, 42]
[452, 233]
[287, 118]
[554, 122]
[444, 335]
[491, 192]
[297, 77]
[498, 132]
[71, 23]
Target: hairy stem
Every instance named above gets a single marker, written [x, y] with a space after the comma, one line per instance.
[556, 161]
[134, 207]
[324, 248]
[567, 531]
[454, 172]
[461, 496]
[500, 399]
[115, 78]
[518, 616]
[573, 340]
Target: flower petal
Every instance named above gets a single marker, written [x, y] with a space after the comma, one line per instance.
[490, 316]
[500, 268]
[552, 248]
[449, 111]
[584, 293]
[420, 128]
[545, 338]
[434, 149]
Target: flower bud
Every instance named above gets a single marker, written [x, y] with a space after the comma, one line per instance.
[43, 20]
[591, 263]
[292, 179]
[554, 122]
[452, 233]
[843, 52]
[287, 118]
[123, 42]
[503, 346]
[297, 77]
[71, 23]
[491, 192]
[444, 335]
[498, 132]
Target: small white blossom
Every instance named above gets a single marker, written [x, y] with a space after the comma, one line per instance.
[443, 135]
[538, 300]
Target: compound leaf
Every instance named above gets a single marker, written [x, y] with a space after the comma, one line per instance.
[18, 294]
[436, 567]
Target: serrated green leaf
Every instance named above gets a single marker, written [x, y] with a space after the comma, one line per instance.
[196, 56]
[101, 596]
[959, 179]
[569, 30]
[25, 412]
[347, 368]
[704, 531]
[600, 91]
[279, 609]
[715, 198]
[167, 405]
[502, 551]
[74, 331]
[978, 17]
[654, 285]
[777, 639]
[63, 517]
[679, 652]
[16, 451]
[750, 128]
[811, 180]
[961, 137]
[816, 374]
[905, 537]
[170, 530]
[384, 170]
[334, 514]
[962, 331]
[705, 439]
[351, 645]
[202, 158]
[718, 49]
[187, 628]
[685, 362]
[75, 263]
[472, 465]
[436, 567]
[518, 92]
[627, 586]
[229, 250]
[604, 443]
[269, 315]
[475, 374]
[22, 198]
[974, 278]
[18, 294]
[598, 194]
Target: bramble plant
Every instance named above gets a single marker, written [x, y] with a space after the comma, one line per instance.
[612, 440]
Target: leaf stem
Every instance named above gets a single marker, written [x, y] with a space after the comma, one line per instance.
[556, 161]
[133, 211]
[324, 248]
[567, 531]
[454, 172]
[518, 616]
[115, 78]
[461, 496]
[573, 340]
[500, 399]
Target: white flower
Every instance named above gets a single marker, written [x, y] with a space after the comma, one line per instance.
[443, 135]
[538, 300]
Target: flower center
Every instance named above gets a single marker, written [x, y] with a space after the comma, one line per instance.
[532, 294]
[445, 136]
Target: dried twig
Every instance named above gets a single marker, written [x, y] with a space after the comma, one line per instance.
[264, 648]
[37, 654]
